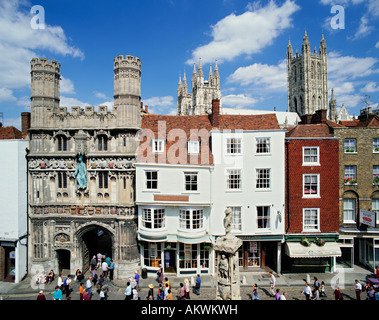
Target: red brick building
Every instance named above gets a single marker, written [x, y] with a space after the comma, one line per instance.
[312, 197]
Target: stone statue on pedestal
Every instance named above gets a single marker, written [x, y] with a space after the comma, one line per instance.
[226, 247]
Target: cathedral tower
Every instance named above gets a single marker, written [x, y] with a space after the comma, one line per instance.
[127, 90]
[199, 101]
[45, 80]
[307, 78]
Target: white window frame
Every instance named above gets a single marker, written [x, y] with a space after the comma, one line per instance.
[191, 182]
[310, 195]
[230, 172]
[375, 145]
[191, 219]
[236, 218]
[317, 155]
[193, 147]
[158, 145]
[155, 216]
[233, 146]
[261, 181]
[263, 145]
[151, 180]
[268, 218]
[350, 143]
[311, 227]
[352, 214]
[352, 174]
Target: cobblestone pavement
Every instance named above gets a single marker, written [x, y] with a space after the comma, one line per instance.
[117, 293]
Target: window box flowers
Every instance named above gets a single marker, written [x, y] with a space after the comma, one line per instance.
[350, 180]
[349, 150]
[320, 242]
[305, 242]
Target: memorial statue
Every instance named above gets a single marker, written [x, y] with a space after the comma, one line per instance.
[80, 174]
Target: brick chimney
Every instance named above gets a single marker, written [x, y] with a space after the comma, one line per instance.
[321, 115]
[306, 119]
[25, 123]
[215, 117]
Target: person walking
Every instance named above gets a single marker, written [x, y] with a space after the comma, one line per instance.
[307, 292]
[182, 292]
[60, 281]
[81, 291]
[136, 279]
[87, 295]
[41, 296]
[337, 294]
[255, 292]
[272, 284]
[66, 285]
[111, 270]
[358, 290]
[277, 294]
[283, 296]
[104, 267]
[322, 289]
[316, 293]
[198, 285]
[135, 294]
[166, 289]
[128, 291]
[150, 294]
[57, 293]
[187, 288]
[89, 286]
[99, 260]
[93, 263]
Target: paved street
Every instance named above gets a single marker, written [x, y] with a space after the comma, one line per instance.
[292, 284]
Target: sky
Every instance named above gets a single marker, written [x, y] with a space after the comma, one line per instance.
[247, 38]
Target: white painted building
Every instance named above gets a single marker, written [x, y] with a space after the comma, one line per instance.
[249, 177]
[13, 209]
[183, 188]
[173, 195]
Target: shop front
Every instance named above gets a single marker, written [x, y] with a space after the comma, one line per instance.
[258, 252]
[177, 258]
[310, 257]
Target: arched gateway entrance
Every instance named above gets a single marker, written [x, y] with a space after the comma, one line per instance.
[94, 239]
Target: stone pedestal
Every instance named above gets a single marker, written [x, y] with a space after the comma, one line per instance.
[228, 280]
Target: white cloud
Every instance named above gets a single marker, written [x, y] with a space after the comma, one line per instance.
[72, 102]
[19, 43]
[370, 87]
[66, 86]
[377, 45]
[6, 95]
[165, 101]
[238, 101]
[273, 77]
[342, 68]
[160, 105]
[100, 95]
[247, 33]
[364, 29]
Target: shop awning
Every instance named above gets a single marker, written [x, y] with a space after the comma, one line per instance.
[297, 250]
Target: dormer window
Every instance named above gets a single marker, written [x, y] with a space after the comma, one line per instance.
[158, 145]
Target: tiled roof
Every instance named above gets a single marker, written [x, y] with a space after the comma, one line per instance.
[10, 132]
[316, 130]
[191, 123]
[370, 121]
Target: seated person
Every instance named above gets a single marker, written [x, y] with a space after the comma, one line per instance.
[50, 277]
